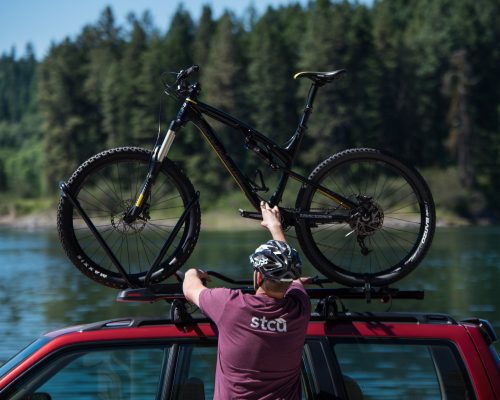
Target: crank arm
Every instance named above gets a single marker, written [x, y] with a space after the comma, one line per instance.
[250, 214]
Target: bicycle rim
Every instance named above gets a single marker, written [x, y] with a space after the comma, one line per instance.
[107, 195]
[393, 238]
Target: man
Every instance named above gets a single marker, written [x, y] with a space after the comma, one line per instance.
[260, 336]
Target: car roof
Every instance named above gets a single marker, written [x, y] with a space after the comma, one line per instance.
[165, 320]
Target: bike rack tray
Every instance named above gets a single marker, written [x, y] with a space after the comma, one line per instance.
[170, 291]
[327, 307]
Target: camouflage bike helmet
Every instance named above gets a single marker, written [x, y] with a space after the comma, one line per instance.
[277, 261]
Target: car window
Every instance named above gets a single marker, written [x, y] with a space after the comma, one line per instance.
[96, 374]
[382, 369]
[195, 372]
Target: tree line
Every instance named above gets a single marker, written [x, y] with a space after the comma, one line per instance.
[423, 82]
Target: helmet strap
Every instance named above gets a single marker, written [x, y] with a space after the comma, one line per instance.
[259, 280]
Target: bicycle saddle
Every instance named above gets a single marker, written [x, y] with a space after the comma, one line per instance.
[322, 77]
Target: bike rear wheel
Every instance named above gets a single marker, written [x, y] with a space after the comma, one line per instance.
[106, 186]
[398, 232]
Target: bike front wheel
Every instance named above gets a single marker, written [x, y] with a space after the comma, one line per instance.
[382, 246]
[106, 187]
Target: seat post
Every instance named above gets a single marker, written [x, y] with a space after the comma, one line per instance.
[308, 108]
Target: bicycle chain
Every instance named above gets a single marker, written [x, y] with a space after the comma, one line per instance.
[319, 244]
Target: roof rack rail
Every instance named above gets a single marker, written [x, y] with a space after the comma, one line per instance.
[341, 318]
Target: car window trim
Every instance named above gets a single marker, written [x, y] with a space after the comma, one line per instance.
[333, 367]
[170, 373]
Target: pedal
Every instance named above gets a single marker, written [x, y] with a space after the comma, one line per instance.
[250, 214]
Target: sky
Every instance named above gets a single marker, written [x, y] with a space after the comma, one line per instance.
[43, 22]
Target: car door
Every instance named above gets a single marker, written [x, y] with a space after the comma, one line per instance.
[396, 368]
[196, 363]
[98, 371]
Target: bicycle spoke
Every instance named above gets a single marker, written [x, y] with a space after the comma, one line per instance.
[375, 253]
[411, 233]
[376, 244]
[406, 184]
[352, 254]
[104, 180]
[387, 188]
[119, 181]
[346, 182]
[394, 235]
[98, 209]
[336, 184]
[409, 205]
[404, 220]
[354, 178]
[158, 190]
[400, 200]
[164, 200]
[382, 233]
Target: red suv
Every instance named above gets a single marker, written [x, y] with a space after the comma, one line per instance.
[346, 356]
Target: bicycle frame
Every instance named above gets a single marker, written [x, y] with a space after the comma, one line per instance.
[192, 110]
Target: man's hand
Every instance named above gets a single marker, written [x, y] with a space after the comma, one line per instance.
[193, 284]
[271, 219]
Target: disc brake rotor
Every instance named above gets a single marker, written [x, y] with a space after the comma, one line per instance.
[370, 223]
[123, 228]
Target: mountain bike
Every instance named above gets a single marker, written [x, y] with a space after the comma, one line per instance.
[361, 216]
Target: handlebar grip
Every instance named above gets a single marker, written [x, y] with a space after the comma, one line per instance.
[179, 275]
[192, 71]
[188, 73]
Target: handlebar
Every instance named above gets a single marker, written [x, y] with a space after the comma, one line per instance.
[188, 73]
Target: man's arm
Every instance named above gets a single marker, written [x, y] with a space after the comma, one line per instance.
[303, 281]
[193, 285]
[271, 219]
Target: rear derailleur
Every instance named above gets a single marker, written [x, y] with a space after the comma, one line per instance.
[366, 221]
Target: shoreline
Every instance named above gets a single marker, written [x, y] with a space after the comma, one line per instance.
[210, 220]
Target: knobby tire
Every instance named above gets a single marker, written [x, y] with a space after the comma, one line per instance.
[107, 185]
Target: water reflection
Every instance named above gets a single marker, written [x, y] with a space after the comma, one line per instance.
[41, 290]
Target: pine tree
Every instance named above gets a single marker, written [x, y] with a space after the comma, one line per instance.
[223, 88]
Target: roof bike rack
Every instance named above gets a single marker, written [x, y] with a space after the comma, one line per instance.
[134, 284]
[326, 309]
[172, 292]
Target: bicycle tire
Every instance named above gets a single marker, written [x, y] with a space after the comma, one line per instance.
[403, 231]
[107, 185]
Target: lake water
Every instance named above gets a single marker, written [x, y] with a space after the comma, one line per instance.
[41, 290]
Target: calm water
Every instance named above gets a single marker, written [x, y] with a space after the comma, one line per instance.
[41, 290]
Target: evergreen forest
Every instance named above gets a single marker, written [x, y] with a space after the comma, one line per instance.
[423, 82]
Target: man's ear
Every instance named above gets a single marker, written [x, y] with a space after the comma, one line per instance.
[257, 280]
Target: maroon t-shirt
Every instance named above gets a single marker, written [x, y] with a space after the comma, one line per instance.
[260, 342]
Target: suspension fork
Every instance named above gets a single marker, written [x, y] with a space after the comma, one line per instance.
[159, 154]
